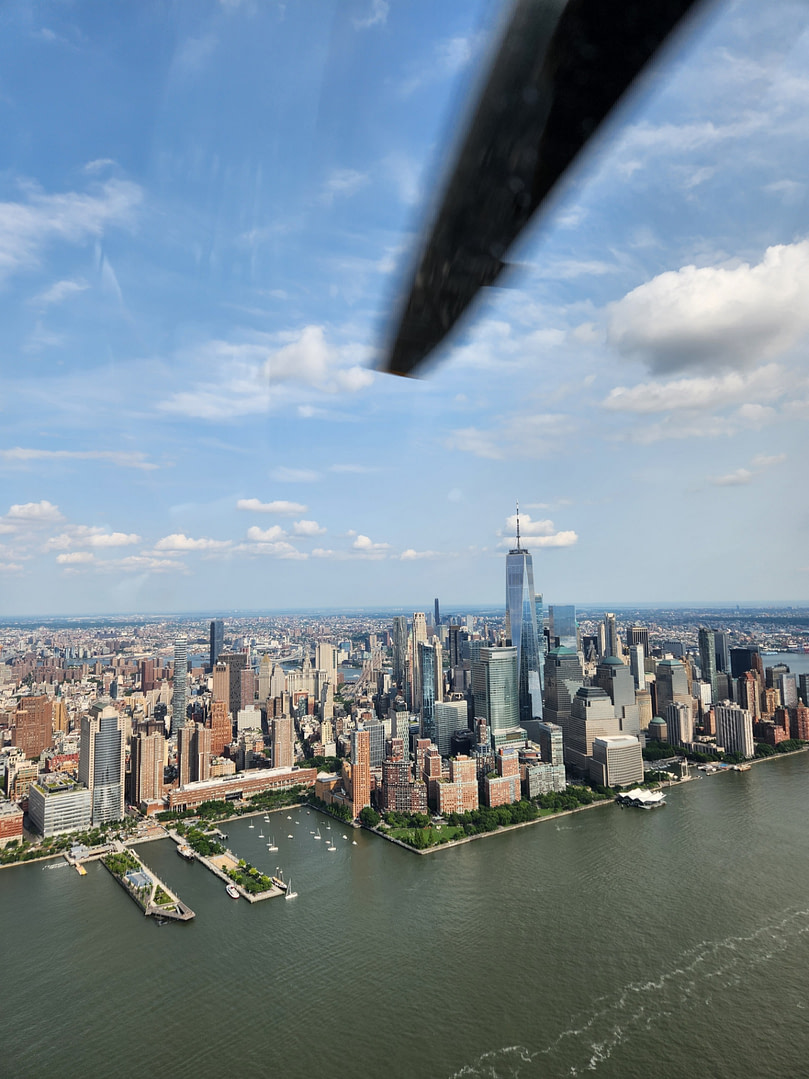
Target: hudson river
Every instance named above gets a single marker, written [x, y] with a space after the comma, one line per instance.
[615, 941]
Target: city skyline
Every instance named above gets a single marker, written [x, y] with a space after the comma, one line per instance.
[196, 277]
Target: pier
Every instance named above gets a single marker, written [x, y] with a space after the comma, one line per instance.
[152, 895]
[223, 865]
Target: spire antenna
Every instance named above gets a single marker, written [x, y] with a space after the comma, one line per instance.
[518, 526]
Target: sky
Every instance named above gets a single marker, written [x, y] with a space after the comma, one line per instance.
[207, 213]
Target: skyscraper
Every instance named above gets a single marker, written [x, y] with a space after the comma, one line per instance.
[521, 628]
[179, 701]
[429, 679]
[612, 642]
[217, 640]
[563, 678]
[734, 729]
[562, 626]
[399, 650]
[437, 619]
[418, 635]
[102, 754]
[707, 658]
[495, 687]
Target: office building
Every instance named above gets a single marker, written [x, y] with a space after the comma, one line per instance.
[563, 630]
[193, 754]
[57, 804]
[734, 729]
[236, 662]
[437, 616]
[615, 678]
[217, 641]
[617, 761]
[429, 670]
[563, 678]
[612, 644]
[521, 629]
[743, 660]
[102, 756]
[495, 692]
[179, 700]
[399, 650]
[638, 635]
[450, 716]
[592, 715]
[326, 660]
[722, 646]
[707, 658]
[671, 684]
[637, 665]
[418, 636]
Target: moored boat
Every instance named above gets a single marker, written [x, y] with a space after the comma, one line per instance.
[232, 891]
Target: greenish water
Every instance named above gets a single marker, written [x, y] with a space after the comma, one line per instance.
[613, 942]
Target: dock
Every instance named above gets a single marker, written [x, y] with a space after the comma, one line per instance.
[152, 895]
[221, 865]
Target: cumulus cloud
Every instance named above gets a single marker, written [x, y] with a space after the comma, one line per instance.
[265, 535]
[365, 543]
[180, 542]
[725, 316]
[343, 183]
[278, 548]
[535, 533]
[30, 515]
[411, 555]
[279, 506]
[307, 528]
[75, 558]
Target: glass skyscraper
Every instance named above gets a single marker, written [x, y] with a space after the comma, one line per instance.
[521, 628]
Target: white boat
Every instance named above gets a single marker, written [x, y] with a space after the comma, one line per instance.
[271, 845]
[353, 842]
[345, 837]
[186, 852]
[261, 835]
[289, 818]
[232, 891]
[289, 893]
[332, 847]
[290, 836]
[251, 825]
[318, 835]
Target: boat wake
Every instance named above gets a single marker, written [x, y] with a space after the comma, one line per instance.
[698, 974]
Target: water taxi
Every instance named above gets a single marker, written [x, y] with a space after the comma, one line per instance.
[232, 891]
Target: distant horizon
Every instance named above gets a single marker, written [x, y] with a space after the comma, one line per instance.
[382, 609]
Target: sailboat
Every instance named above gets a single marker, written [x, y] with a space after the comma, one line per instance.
[251, 825]
[289, 893]
[318, 835]
[271, 845]
[331, 845]
[261, 835]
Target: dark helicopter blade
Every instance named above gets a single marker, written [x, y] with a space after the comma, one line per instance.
[560, 68]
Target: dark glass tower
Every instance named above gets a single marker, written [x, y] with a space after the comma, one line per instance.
[521, 627]
[217, 640]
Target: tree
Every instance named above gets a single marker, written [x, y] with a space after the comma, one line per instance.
[369, 817]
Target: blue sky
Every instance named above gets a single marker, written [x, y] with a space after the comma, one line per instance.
[206, 211]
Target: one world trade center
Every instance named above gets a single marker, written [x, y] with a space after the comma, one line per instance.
[521, 627]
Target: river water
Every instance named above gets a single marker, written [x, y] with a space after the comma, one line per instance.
[613, 942]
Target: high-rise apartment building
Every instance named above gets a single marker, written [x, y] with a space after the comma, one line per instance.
[437, 617]
[734, 729]
[179, 700]
[679, 723]
[326, 660]
[217, 641]
[521, 629]
[429, 695]
[283, 742]
[33, 726]
[236, 663]
[194, 753]
[147, 755]
[102, 754]
[399, 648]
[360, 770]
[450, 716]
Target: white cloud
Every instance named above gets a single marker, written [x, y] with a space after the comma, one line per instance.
[761, 460]
[343, 183]
[360, 470]
[10, 567]
[279, 506]
[447, 58]
[535, 533]
[143, 563]
[178, 541]
[307, 528]
[731, 316]
[90, 536]
[377, 16]
[531, 435]
[274, 549]
[295, 475]
[75, 558]
[60, 291]
[740, 477]
[365, 543]
[265, 535]
[30, 515]
[703, 392]
[27, 227]
[411, 555]
[122, 459]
